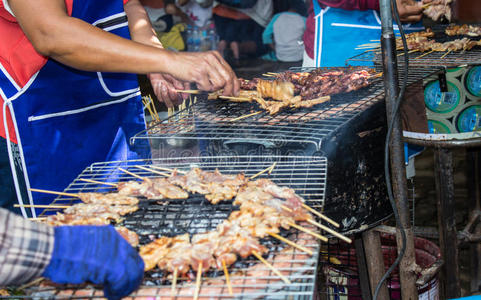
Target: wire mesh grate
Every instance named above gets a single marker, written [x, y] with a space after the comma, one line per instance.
[420, 59]
[216, 120]
[307, 175]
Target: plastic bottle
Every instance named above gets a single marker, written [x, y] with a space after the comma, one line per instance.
[205, 42]
[196, 39]
[189, 36]
[214, 38]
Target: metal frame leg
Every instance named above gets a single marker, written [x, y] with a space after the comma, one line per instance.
[448, 240]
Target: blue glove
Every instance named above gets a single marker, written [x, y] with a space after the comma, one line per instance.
[96, 254]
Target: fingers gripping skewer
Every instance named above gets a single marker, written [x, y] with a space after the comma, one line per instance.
[273, 269]
[227, 278]
[198, 281]
[290, 243]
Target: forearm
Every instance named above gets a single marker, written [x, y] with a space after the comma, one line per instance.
[82, 46]
[352, 4]
[139, 24]
[25, 248]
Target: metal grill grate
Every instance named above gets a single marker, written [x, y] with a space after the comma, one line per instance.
[307, 175]
[438, 59]
[214, 120]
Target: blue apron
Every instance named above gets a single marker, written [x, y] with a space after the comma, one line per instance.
[338, 32]
[66, 119]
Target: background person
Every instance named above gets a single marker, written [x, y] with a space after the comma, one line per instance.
[284, 32]
[334, 28]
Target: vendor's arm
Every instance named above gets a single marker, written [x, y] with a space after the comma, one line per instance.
[80, 45]
[141, 31]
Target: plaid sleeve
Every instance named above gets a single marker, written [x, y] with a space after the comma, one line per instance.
[25, 248]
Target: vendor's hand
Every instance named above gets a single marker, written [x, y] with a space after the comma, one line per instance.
[207, 69]
[164, 86]
[409, 11]
[96, 254]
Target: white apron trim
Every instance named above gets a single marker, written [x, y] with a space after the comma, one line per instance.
[4, 71]
[12, 162]
[113, 27]
[114, 94]
[81, 110]
[115, 16]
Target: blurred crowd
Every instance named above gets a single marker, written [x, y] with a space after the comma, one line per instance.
[272, 30]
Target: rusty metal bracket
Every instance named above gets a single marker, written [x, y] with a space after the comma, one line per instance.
[467, 235]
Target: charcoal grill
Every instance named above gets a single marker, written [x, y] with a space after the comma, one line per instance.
[349, 130]
[307, 175]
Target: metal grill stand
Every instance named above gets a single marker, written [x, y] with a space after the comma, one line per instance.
[448, 235]
[391, 85]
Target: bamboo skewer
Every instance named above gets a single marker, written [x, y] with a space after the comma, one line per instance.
[189, 91]
[245, 116]
[153, 171]
[235, 98]
[227, 278]
[298, 227]
[41, 206]
[168, 169]
[327, 219]
[37, 218]
[273, 269]
[134, 175]
[424, 54]
[290, 243]
[54, 193]
[98, 182]
[269, 170]
[197, 282]
[154, 108]
[334, 233]
[174, 282]
[445, 54]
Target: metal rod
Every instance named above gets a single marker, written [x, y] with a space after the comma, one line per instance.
[448, 240]
[396, 147]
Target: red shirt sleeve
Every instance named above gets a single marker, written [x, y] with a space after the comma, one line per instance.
[352, 4]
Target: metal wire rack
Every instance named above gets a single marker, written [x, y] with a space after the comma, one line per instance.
[307, 175]
[207, 120]
[434, 59]
[216, 120]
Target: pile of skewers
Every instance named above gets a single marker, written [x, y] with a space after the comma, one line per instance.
[422, 41]
[265, 208]
[297, 89]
